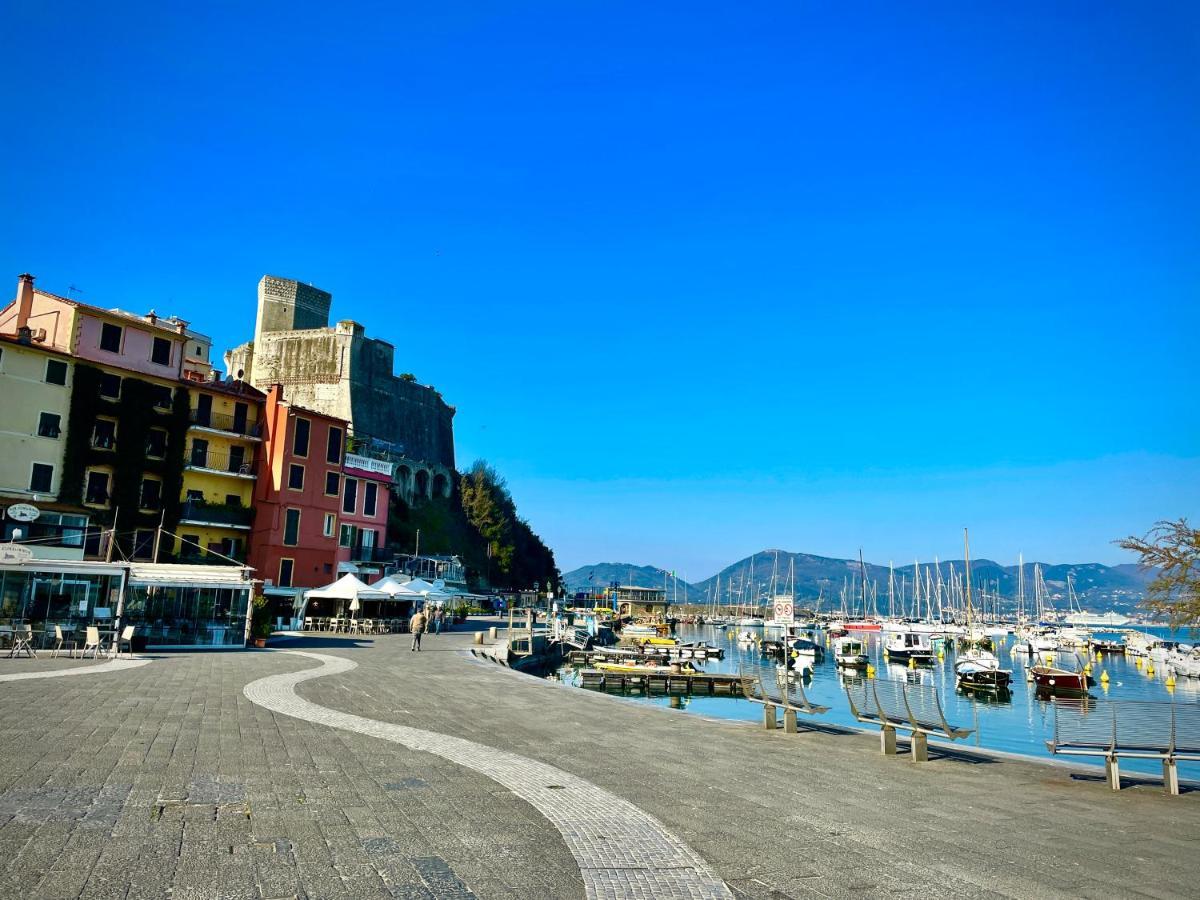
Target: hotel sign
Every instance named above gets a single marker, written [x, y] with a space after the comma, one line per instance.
[14, 553]
[23, 512]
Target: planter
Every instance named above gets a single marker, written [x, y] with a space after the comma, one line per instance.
[260, 642]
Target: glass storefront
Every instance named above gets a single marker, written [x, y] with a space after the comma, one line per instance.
[44, 599]
[188, 615]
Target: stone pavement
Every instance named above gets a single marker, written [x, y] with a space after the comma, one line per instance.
[165, 780]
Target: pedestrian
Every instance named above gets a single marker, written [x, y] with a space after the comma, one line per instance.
[417, 626]
[438, 616]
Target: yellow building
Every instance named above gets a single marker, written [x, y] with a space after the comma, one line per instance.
[221, 461]
[35, 384]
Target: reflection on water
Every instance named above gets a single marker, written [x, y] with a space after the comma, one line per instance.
[1016, 721]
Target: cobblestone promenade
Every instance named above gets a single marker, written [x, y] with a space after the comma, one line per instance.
[357, 768]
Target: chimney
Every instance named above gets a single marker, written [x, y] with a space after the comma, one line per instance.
[152, 317]
[24, 299]
[25, 335]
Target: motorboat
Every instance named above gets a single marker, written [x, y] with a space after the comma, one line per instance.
[850, 653]
[868, 625]
[684, 668]
[1057, 681]
[749, 622]
[910, 645]
[1036, 640]
[745, 637]
[979, 669]
[1185, 660]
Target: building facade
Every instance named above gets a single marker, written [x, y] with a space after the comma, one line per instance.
[363, 513]
[297, 496]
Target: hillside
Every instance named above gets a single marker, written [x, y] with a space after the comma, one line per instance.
[1098, 586]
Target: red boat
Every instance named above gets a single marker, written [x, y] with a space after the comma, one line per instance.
[863, 625]
[1052, 680]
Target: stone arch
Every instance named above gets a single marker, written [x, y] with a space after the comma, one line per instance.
[404, 481]
[441, 485]
[421, 483]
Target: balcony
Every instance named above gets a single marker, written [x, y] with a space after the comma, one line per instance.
[368, 464]
[224, 463]
[196, 557]
[199, 512]
[225, 423]
[360, 553]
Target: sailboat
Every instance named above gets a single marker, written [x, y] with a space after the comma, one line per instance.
[976, 667]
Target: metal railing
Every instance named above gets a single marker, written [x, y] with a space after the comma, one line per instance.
[225, 422]
[221, 461]
[216, 513]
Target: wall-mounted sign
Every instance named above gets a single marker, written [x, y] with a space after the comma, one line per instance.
[23, 512]
[14, 553]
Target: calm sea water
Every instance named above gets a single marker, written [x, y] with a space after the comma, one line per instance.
[1020, 723]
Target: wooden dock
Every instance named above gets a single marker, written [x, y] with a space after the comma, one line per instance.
[711, 683]
[641, 656]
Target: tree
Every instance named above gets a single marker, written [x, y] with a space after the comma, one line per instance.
[1172, 551]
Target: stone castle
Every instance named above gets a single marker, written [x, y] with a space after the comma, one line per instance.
[340, 371]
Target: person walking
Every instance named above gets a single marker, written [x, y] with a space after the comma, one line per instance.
[437, 620]
[417, 626]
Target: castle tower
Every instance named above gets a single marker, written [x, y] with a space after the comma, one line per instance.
[288, 305]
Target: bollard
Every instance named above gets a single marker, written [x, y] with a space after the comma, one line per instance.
[492, 633]
[479, 637]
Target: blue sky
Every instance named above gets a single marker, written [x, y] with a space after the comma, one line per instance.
[700, 278]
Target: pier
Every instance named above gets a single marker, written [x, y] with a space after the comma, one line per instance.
[664, 683]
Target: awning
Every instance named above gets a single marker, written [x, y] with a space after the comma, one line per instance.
[166, 575]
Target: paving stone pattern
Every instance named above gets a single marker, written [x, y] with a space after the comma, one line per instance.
[165, 781]
[57, 667]
[621, 851]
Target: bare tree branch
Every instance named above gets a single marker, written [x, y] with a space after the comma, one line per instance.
[1171, 549]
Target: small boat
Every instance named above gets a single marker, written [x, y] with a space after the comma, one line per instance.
[1107, 646]
[979, 669]
[750, 622]
[805, 647]
[745, 637]
[1056, 681]
[647, 669]
[868, 625]
[909, 645]
[850, 653]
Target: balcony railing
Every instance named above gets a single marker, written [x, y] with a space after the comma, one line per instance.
[221, 461]
[194, 557]
[359, 553]
[367, 464]
[216, 513]
[223, 422]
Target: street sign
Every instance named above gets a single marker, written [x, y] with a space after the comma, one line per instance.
[23, 512]
[785, 613]
[14, 553]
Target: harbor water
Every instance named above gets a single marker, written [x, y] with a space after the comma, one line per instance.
[1018, 721]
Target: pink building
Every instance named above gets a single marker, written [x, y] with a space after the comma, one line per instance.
[366, 489]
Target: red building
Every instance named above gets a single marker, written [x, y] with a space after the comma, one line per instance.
[293, 544]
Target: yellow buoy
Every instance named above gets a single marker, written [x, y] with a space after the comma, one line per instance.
[1137, 662]
[870, 671]
[1087, 670]
[1170, 681]
[1150, 668]
[912, 663]
[1103, 676]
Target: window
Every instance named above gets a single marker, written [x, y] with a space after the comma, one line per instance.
[56, 371]
[97, 488]
[370, 499]
[110, 385]
[291, 527]
[350, 496]
[143, 544]
[347, 537]
[110, 338]
[285, 572]
[330, 525]
[233, 499]
[333, 451]
[300, 437]
[162, 396]
[194, 494]
[49, 425]
[104, 434]
[161, 352]
[191, 545]
[333, 485]
[151, 494]
[156, 443]
[199, 457]
[295, 477]
[41, 478]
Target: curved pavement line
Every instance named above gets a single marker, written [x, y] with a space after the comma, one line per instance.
[622, 852]
[113, 665]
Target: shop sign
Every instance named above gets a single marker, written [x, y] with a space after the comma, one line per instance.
[14, 553]
[23, 512]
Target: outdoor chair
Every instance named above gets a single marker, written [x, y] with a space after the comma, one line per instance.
[60, 642]
[308, 623]
[23, 640]
[125, 639]
[91, 642]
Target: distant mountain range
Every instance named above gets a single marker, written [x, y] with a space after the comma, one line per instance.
[1099, 587]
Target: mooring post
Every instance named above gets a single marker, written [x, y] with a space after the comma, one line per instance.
[887, 740]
